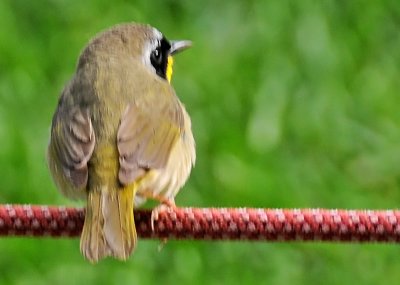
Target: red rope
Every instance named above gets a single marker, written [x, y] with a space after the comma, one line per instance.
[217, 223]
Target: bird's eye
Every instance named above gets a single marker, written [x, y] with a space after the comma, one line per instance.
[159, 57]
[156, 58]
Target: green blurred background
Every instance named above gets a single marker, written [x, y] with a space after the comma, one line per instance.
[293, 103]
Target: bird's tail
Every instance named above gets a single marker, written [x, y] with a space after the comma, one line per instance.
[109, 228]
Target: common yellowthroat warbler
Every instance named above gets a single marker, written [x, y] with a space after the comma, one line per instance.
[120, 135]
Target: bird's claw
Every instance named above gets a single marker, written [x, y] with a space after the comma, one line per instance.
[166, 205]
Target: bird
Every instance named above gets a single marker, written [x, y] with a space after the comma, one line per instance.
[120, 135]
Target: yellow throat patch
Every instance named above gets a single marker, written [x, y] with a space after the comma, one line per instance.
[170, 63]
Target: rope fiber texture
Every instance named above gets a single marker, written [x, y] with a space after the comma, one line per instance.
[216, 223]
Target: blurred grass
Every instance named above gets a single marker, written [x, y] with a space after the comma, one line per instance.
[294, 104]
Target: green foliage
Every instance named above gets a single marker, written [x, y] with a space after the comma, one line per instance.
[293, 103]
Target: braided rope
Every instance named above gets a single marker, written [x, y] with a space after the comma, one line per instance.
[217, 223]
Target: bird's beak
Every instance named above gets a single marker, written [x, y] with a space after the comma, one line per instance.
[178, 46]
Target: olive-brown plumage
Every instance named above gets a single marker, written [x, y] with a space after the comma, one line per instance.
[120, 134]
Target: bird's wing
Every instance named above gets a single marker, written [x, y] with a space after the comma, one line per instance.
[72, 144]
[146, 137]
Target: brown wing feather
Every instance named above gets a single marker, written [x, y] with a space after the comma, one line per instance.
[72, 144]
[145, 138]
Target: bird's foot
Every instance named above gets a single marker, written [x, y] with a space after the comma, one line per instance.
[166, 205]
